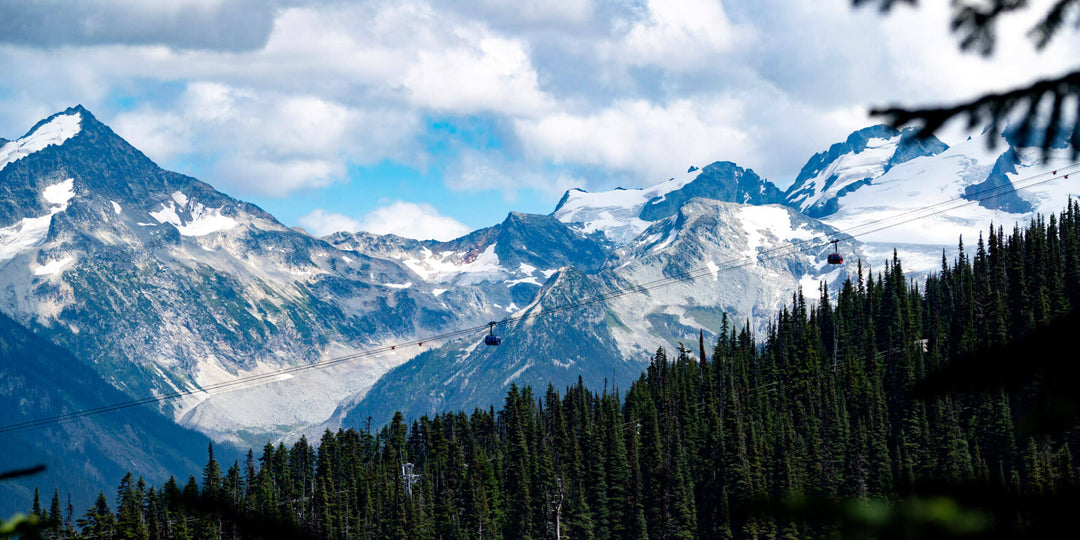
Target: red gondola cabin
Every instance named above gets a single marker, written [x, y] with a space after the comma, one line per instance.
[834, 257]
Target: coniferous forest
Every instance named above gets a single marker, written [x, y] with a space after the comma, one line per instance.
[890, 408]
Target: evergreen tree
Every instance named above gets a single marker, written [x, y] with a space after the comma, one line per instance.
[98, 521]
[130, 522]
[56, 517]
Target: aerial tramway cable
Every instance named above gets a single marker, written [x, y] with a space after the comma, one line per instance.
[790, 249]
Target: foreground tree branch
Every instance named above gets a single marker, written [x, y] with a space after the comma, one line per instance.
[1036, 127]
[1043, 108]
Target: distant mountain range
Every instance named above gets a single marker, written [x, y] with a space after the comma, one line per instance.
[156, 282]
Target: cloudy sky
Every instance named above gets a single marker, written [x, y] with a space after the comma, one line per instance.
[432, 118]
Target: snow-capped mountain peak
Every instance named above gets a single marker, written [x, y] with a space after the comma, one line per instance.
[623, 214]
[616, 213]
[968, 170]
[847, 166]
[54, 130]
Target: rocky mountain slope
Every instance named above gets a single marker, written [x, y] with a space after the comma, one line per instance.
[709, 259]
[40, 380]
[160, 282]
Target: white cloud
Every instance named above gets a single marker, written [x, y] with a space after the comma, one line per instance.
[402, 54]
[410, 220]
[307, 125]
[160, 135]
[212, 102]
[209, 24]
[487, 74]
[164, 8]
[676, 34]
[475, 171]
[340, 50]
[650, 140]
[266, 143]
[540, 12]
[321, 223]
[277, 177]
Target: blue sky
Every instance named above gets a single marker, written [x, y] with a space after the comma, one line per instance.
[430, 118]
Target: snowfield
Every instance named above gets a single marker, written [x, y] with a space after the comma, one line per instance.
[921, 199]
[766, 225]
[615, 212]
[451, 267]
[848, 169]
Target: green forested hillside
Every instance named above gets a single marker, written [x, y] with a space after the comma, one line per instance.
[824, 409]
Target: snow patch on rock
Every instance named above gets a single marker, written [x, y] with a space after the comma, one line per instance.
[53, 267]
[167, 214]
[30, 232]
[25, 234]
[527, 279]
[203, 221]
[60, 194]
[450, 266]
[713, 269]
[514, 376]
[766, 224]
